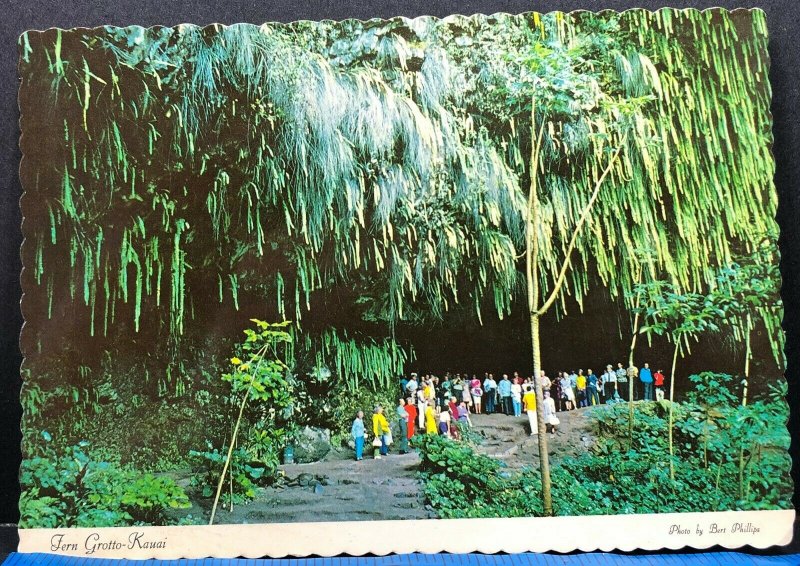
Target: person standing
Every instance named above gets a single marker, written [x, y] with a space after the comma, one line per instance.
[573, 381]
[444, 422]
[516, 396]
[546, 383]
[443, 391]
[402, 425]
[458, 387]
[466, 394]
[411, 422]
[592, 389]
[403, 384]
[550, 419]
[555, 392]
[463, 414]
[430, 420]
[477, 395]
[580, 387]
[529, 404]
[658, 381]
[504, 390]
[567, 394]
[646, 377]
[357, 431]
[422, 404]
[380, 428]
[490, 388]
[412, 385]
[427, 390]
[622, 381]
[610, 384]
[453, 406]
[633, 375]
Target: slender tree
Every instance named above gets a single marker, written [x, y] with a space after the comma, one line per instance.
[747, 290]
[680, 317]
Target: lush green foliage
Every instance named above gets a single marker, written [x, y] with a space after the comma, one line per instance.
[619, 477]
[259, 379]
[246, 474]
[73, 490]
[461, 483]
[345, 405]
[385, 165]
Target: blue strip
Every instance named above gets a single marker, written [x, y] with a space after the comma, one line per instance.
[527, 559]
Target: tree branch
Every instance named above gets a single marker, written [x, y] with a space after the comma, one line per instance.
[584, 215]
[531, 238]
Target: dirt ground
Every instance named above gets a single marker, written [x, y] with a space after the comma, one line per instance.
[340, 489]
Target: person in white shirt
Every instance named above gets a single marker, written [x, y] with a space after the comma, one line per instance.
[550, 419]
[609, 383]
[444, 422]
[412, 385]
[567, 393]
[516, 397]
[422, 405]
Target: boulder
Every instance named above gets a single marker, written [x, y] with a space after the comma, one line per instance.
[311, 444]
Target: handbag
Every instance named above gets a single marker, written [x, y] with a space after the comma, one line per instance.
[388, 438]
[376, 442]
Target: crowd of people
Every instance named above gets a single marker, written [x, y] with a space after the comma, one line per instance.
[430, 405]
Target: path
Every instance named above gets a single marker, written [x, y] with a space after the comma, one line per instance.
[341, 489]
[508, 438]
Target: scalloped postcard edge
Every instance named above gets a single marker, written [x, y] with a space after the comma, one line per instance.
[606, 533]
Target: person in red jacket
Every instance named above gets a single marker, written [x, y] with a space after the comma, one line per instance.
[411, 409]
[658, 381]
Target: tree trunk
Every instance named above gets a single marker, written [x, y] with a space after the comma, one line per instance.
[631, 382]
[229, 456]
[532, 276]
[544, 456]
[744, 402]
[671, 409]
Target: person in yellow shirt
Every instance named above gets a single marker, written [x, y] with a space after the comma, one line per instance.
[430, 420]
[580, 386]
[380, 428]
[529, 404]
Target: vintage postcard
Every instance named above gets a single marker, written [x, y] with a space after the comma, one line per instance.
[480, 283]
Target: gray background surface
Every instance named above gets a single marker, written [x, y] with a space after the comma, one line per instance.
[15, 17]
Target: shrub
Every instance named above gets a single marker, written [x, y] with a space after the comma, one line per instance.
[727, 457]
[347, 403]
[247, 474]
[73, 490]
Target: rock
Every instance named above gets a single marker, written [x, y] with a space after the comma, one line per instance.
[318, 489]
[405, 504]
[311, 444]
[305, 480]
[402, 494]
[347, 481]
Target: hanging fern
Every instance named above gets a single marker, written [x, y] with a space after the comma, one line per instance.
[290, 160]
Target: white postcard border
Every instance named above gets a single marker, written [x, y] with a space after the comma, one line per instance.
[729, 529]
